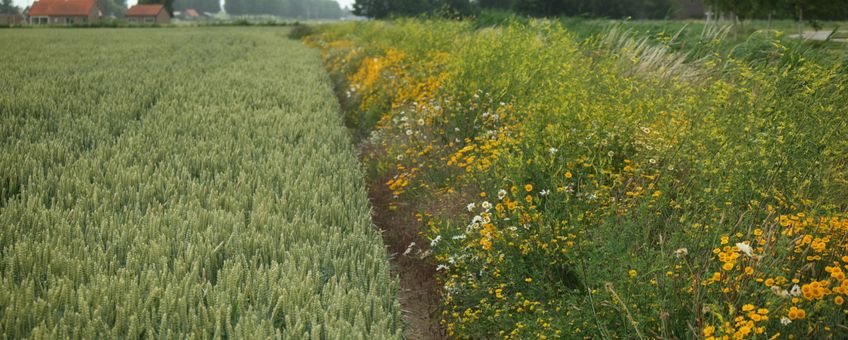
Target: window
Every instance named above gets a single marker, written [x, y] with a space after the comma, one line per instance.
[148, 20]
[69, 21]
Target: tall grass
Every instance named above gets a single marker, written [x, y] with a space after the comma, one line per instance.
[191, 183]
[607, 186]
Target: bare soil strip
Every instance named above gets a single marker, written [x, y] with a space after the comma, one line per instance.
[419, 295]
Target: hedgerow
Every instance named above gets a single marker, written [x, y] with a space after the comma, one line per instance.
[608, 186]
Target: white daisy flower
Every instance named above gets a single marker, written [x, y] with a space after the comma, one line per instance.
[745, 249]
[435, 241]
[796, 290]
[779, 292]
[409, 249]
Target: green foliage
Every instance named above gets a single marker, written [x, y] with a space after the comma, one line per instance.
[169, 4]
[114, 8]
[539, 8]
[306, 9]
[614, 184]
[797, 9]
[299, 31]
[494, 18]
[388, 8]
[180, 184]
[616, 9]
[8, 7]
[210, 6]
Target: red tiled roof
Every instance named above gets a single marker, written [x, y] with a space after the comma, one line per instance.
[191, 13]
[145, 10]
[62, 8]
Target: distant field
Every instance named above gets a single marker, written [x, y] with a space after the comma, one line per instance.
[177, 183]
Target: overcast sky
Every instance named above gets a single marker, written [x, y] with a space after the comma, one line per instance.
[27, 3]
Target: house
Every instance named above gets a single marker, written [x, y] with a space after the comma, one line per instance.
[64, 12]
[191, 14]
[11, 19]
[148, 14]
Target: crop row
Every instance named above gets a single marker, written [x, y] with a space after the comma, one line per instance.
[181, 183]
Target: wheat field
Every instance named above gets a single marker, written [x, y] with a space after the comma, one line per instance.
[181, 183]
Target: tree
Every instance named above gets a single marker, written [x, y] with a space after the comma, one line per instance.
[305, 9]
[169, 4]
[8, 7]
[114, 8]
[371, 8]
[211, 6]
[386, 8]
[497, 4]
[234, 7]
[642, 9]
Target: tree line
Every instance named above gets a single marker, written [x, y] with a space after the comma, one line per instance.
[797, 9]
[210, 6]
[616, 9]
[305, 9]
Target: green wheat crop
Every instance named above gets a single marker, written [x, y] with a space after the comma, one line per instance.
[181, 183]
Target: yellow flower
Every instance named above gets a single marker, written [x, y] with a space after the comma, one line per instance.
[769, 282]
[632, 273]
[486, 243]
[528, 279]
[568, 175]
[749, 270]
[838, 300]
[795, 313]
[709, 331]
[748, 307]
[727, 266]
[528, 187]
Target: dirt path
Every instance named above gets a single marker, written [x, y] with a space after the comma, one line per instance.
[419, 295]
